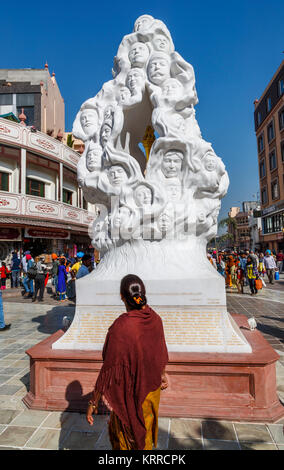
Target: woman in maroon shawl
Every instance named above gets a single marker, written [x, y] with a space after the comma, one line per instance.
[133, 373]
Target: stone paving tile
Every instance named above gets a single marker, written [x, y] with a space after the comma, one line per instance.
[32, 418]
[58, 420]
[11, 371]
[79, 423]
[103, 442]
[16, 436]
[185, 428]
[218, 430]
[215, 444]
[78, 440]
[257, 446]
[252, 432]
[8, 402]
[185, 443]
[49, 439]
[7, 416]
[164, 426]
[9, 389]
[4, 378]
[277, 432]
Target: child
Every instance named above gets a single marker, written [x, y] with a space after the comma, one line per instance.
[4, 272]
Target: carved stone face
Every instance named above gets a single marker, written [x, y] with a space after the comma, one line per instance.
[105, 134]
[172, 89]
[94, 159]
[124, 95]
[172, 163]
[121, 217]
[173, 192]
[135, 80]
[159, 69]
[138, 54]
[143, 196]
[89, 121]
[143, 22]
[210, 163]
[117, 175]
[161, 43]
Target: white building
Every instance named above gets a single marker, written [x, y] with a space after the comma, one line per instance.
[41, 206]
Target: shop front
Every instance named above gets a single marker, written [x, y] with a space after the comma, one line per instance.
[10, 240]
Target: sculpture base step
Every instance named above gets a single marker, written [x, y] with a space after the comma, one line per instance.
[213, 385]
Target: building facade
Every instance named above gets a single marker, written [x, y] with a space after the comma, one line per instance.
[35, 93]
[269, 128]
[245, 227]
[41, 206]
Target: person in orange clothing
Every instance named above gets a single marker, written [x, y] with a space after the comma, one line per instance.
[229, 264]
[4, 274]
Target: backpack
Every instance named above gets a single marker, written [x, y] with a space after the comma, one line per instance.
[32, 271]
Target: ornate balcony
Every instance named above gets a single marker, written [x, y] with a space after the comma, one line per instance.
[33, 207]
[12, 133]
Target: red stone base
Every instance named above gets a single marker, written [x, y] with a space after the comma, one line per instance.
[237, 387]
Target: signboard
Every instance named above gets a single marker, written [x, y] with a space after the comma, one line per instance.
[47, 233]
[10, 234]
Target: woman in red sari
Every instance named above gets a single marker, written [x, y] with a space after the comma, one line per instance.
[133, 373]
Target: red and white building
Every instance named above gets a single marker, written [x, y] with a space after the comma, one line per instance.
[41, 206]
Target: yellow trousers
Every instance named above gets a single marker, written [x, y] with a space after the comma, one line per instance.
[121, 438]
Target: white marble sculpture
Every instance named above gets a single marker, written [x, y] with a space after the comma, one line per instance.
[156, 216]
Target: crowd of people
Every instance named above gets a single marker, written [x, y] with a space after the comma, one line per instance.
[248, 268]
[33, 273]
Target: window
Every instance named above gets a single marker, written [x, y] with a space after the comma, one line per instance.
[258, 118]
[281, 119]
[274, 189]
[281, 87]
[273, 223]
[264, 196]
[268, 104]
[6, 99]
[35, 187]
[26, 101]
[270, 132]
[262, 171]
[282, 151]
[67, 196]
[4, 181]
[272, 160]
[260, 141]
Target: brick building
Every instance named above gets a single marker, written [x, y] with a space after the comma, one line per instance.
[269, 128]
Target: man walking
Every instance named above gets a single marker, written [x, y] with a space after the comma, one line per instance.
[270, 265]
[280, 261]
[39, 280]
[27, 263]
[15, 270]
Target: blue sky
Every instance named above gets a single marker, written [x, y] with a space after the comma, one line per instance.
[234, 46]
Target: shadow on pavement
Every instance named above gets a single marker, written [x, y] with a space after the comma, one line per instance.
[51, 321]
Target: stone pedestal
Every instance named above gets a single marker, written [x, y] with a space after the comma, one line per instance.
[182, 287]
[212, 385]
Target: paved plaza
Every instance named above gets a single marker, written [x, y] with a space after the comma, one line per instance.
[21, 428]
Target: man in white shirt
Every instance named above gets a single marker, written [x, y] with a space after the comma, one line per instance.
[270, 265]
